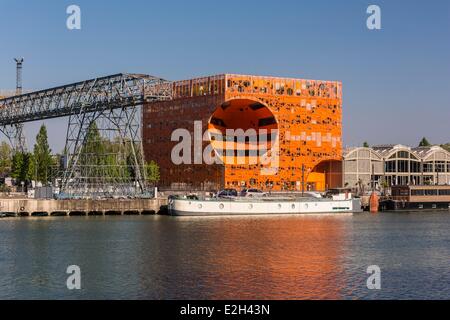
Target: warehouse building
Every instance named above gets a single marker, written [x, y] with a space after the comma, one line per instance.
[390, 165]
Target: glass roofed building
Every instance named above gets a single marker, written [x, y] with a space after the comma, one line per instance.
[390, 165]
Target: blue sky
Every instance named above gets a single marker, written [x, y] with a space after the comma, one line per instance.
[396, 80]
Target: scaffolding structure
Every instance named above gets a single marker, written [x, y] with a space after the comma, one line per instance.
[103, 155]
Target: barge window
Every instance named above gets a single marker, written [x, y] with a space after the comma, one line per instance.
[431, 192]
[445, 192]
[418, 192]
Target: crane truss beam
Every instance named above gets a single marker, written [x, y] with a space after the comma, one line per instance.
[101, 111]
[111, 92]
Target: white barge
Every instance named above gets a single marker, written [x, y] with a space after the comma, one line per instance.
[188, 206]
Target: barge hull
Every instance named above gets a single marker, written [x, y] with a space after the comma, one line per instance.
[240, 208]
[391, 205]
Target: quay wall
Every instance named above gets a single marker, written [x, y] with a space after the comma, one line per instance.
[39, 207]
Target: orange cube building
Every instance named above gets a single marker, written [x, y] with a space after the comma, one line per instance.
[287, 133]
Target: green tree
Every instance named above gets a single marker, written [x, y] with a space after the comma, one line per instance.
[92, 155]
[424, 143]
[5, 158]
[446, 146]
[366, 144]
[29, 169]
[94, 144]
[152, 171]
[111, 160]
[22, 168]
[17, 166]
[42, 157]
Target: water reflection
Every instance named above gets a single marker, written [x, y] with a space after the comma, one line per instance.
[248, 258]
[282, 257]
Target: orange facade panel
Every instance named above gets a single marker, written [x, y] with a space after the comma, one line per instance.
[295, 124]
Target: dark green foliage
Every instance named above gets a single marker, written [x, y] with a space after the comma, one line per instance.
[5, 158]
[22, 167]
[152, 171]
[42, 157]
[424, 143]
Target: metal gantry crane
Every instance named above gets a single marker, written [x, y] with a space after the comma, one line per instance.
[104, 110]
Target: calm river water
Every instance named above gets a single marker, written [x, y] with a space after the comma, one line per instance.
[282, 257]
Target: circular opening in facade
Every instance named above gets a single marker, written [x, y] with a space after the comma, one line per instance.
[242, 128]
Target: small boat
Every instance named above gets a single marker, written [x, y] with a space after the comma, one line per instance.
[267, 205]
